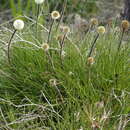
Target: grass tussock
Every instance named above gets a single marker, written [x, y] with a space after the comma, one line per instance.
[55, 84]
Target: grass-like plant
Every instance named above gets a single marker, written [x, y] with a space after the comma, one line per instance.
[38, 92]
[17, 7]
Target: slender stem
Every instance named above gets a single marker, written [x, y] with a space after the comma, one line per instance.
[38, 10]
[9, 45]
[49, 35]
[86, 33]
[93, 45]
[119, 46]
[59, 93]
[62, 14]
[61, 48]
[62, 44]
[116, 79]
[89, 29]
[50, 60]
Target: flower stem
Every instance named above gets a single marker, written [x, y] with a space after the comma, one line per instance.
[59, 93]
[62, 44]
[119, 46]
[61, 48]
[50, 30]
[62, 14]
[93, 45]
[50, 60]
[38, 10]
[9, 45]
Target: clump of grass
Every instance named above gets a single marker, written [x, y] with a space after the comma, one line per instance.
[37, 91]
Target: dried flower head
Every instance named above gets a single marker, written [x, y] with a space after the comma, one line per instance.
[45, 46]
[53, 82]
[55, 15]
[18, 24]
[60, 37]
[125, 25]
[101, 29]
[94, 21]
[90, 60]
[39, 1]
[66, 29]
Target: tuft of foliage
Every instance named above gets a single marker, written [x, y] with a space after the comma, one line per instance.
[61, 87]
[84, 95]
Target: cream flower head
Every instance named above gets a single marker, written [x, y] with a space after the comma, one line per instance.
[55, 15]
[94, 21]
[18, 24]
[45, 47]
[39, 1]
[101, 30]
[66, 29]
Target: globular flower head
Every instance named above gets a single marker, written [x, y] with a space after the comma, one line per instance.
[66, 29]
[45, 46]
[101, 29]
[39, 1]
[125, 25]
[55, 15]
[94, 21]
[18, 24]
[90, 60]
